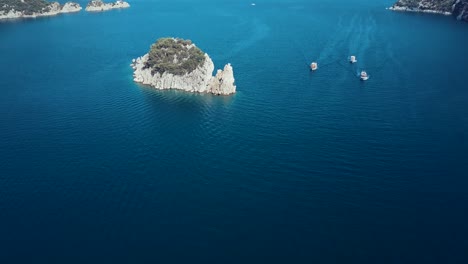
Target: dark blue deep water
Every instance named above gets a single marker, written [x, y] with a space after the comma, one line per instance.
[294, 168]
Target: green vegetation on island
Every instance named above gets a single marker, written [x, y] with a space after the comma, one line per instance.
[27, 6]
[174, 56]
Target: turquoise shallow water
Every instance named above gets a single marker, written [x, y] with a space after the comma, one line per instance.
[294, 168]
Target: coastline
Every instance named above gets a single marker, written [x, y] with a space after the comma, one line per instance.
[417, 10]
[200, 80]
[55, 9]
[99, 6]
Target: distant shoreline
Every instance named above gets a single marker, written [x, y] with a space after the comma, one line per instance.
[417, 10]
[55, 8]
[456, 8]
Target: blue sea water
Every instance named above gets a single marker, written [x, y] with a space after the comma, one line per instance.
[297, 167]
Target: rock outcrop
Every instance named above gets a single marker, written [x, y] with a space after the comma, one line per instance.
[460, 10]
[199, 80]
[71, 7]
[99, 5]
[41, 9]
[223, 81]
[457, 8]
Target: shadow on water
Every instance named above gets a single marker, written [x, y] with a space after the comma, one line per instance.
[182, 101]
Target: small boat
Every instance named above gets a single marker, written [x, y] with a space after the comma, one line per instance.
[352, 59]
[313, 66]
[364, 76]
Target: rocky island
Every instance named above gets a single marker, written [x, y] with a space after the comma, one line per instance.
[178, 64]
[457, 8]
[99, 5]
[10, 9]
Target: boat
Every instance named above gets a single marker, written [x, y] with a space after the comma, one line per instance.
[352, 59]
[364, 76]
[313, 66]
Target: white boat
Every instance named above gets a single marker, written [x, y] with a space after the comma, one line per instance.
[364, 76]
[313, 66]
[352, 59]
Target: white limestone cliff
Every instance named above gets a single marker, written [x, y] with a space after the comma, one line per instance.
[71, 7]
[99, 5]
[223, 81]
[200, 80]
